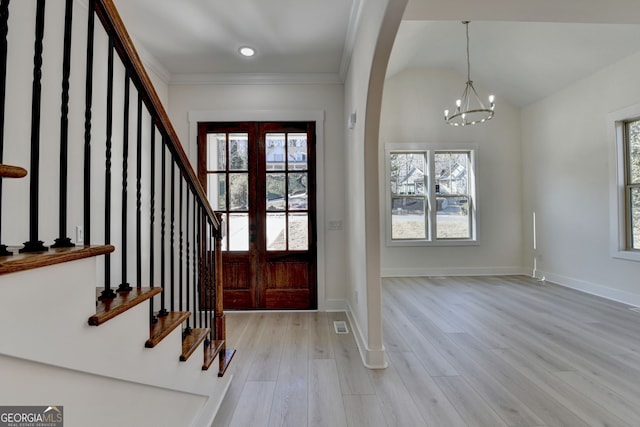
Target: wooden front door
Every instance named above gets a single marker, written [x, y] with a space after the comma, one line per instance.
[261, 177]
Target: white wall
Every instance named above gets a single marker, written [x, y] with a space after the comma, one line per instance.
[566, 146]
[412, 111]
[378, 25]
[244, 102]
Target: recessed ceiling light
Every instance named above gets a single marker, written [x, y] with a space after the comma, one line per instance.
[247, 51]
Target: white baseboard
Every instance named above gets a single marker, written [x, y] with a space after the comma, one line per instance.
[336, 305]
[592, 288]
[452, 271]
[372, 359]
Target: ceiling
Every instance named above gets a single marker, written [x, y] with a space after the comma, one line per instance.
[290, 37]
[521, 50]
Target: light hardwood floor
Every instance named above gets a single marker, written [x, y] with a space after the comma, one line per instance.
[490, 352]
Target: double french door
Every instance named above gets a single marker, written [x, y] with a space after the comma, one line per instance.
[261, 177]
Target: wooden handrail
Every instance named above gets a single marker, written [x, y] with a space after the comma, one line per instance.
[8, 171]
[110, 18]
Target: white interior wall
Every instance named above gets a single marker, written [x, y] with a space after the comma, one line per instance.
[412, 112]
[378, 25]
[567, 141]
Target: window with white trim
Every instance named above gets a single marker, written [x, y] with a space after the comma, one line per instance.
[632, 183]
[625, 184]
[431, 197]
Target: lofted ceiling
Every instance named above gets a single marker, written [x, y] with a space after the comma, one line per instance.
[521, 50]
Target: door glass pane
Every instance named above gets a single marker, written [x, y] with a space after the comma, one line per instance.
[238, 151]
[217, 191]
[238, 191]
[633, 133]
[238, 232]
[275, 151]
[225, 223]
[275, 192]
[452, 218]
[216, 151]
[298, 191]
[297, 151]
[635, 218]
[408, 220]
[276, 232]
[298, 232]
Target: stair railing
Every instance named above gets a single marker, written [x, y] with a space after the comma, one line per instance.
[135, 188]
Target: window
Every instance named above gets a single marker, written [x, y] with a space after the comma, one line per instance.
[625, 184]
[431, 195]
[632, 184]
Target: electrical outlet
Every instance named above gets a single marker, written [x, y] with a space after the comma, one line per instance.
[79, 235]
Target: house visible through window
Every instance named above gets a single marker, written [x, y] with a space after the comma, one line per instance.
[431, 195]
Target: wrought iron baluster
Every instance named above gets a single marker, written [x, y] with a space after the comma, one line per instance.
[87, 124]
[172, 236]
[124, 285]
[214, 283]
[181, 236]
[139, 195]
[187, 272]
[108, 293]
[63, 241]
[152, 207]
[163, 203]
[4, 30]
[35, 245]
[200, 266]
[210, 291]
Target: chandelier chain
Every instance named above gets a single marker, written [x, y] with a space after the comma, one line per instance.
[466, 24]
[469, 110]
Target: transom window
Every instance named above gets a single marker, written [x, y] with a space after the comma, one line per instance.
[431, 195]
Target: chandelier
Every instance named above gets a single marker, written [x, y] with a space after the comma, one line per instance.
[469, 108]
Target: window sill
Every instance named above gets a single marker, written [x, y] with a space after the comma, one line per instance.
[437, 243]
[627, 255]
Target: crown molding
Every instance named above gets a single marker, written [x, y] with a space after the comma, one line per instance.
[256, 79]
[350, 39]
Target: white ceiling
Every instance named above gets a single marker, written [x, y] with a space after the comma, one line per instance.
[203, 36]
[521, 50]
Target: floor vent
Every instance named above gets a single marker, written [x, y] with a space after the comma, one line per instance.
[340, 326]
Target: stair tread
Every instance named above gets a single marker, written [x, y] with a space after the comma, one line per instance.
[164, 326]
[28, 261]
[9, 171]
[210, 352]
[226, 354]
[191, 341]
[107, 309]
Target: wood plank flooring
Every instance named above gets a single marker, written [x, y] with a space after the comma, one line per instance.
[463, 351]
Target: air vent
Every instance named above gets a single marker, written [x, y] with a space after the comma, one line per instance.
[340, 326]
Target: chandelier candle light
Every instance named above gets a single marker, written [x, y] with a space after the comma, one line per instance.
[470, 109]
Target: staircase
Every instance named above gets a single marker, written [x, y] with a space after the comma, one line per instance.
[123, 323]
